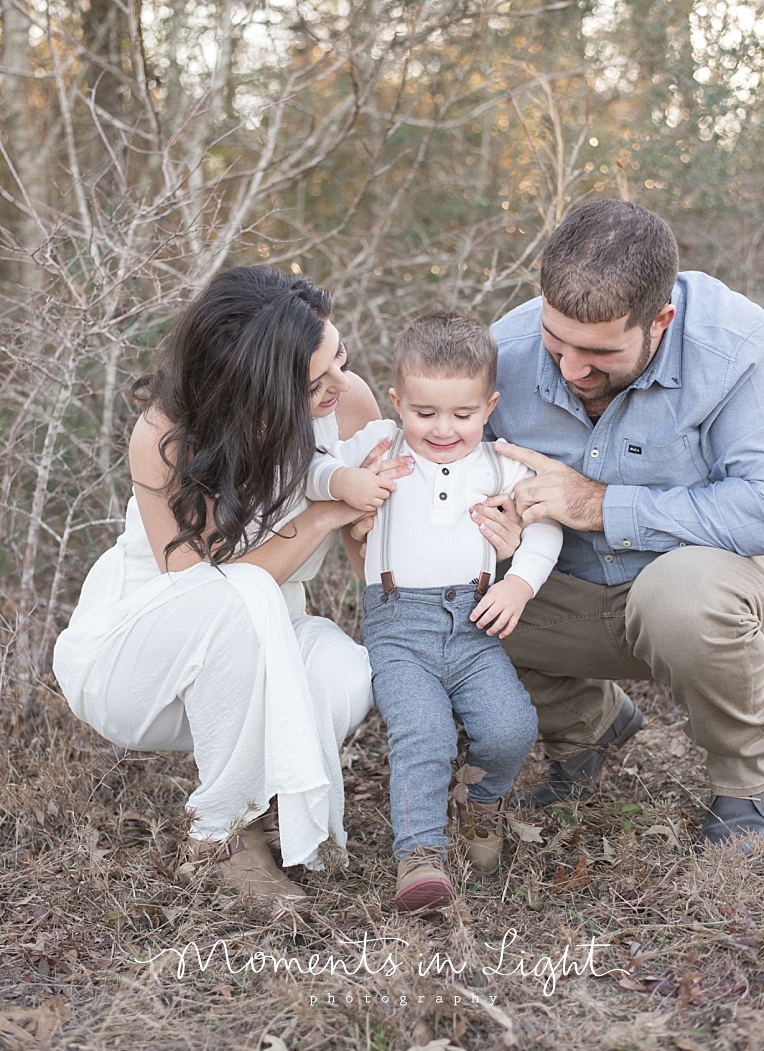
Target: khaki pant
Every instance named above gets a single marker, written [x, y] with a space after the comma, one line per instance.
[692, 619]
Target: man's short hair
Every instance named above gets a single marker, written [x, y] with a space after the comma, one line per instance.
[610, 259]
[445, 344]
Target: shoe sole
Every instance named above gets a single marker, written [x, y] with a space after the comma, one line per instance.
[425, 895]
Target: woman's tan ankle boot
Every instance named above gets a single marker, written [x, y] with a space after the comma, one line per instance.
[245, 864]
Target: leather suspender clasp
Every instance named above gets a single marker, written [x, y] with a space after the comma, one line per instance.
[482, 585]
[388, 584]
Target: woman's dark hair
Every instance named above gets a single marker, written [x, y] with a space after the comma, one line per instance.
[234, 379]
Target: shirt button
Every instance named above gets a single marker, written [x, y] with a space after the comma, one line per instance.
[682, 543]
[450, 595]
[627, 543]
[608, 558]
[595, 453]
[444, 496]
[445, 470]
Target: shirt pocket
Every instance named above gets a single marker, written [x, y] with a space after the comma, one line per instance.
[658, 466]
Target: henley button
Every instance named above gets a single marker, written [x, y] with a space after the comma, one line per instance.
[445, 470]
[608, 558]
[450, 595]
[627, 543]
[595, 453]
[444, 496]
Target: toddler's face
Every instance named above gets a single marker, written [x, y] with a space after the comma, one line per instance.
[443, 416]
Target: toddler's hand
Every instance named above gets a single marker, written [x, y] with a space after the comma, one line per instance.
[502, 606]
[362, 487]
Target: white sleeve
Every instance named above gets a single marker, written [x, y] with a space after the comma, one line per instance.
[540, 546]
[349, 453]
[538, 552]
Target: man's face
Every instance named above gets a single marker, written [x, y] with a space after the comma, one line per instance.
[599, 359]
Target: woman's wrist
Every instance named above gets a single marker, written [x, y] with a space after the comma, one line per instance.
[334, 514]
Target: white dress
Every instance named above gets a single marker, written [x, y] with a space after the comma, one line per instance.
[226, 663]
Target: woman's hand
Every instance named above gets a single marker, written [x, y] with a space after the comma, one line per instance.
[500, 524]
[354, 539]
[361, 528]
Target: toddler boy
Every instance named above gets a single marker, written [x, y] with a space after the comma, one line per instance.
[426, 565]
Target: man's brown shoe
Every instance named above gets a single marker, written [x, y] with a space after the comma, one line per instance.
[483, 829]
[423, 885]
[245, 864]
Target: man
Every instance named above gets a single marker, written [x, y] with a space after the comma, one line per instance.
[642, 395]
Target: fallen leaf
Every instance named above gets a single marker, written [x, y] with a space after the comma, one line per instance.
[678, 749]
[632, 984]
[40, 1022]
[422, 1033]
[444, 1044]
[275, 1043]
[525, 831]
[579, 877]
[185, 872]
[608, 852]
[663, 985]
[663, 830]
[470, 775]
[686, 1043]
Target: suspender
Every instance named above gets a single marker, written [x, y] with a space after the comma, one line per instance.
[498, 484]
[386, 575]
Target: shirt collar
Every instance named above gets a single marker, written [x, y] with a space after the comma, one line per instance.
[666, 367]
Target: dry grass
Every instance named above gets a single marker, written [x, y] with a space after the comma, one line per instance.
[90, 844]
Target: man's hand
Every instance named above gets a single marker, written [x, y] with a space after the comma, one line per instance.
[556, 492]
[502, 605]
[499, 523]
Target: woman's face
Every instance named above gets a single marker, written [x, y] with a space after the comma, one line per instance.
[327, 378]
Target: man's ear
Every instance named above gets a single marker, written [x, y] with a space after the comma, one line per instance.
[491, 405]
[395, 400]
[663, 320]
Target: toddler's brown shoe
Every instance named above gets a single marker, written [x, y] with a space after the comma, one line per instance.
[423, 885]
[483, 829]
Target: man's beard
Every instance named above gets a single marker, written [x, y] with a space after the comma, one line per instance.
[613, 387]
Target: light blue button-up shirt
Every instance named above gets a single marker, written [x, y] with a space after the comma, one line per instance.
[681, 450]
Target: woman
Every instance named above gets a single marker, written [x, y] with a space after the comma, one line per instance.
[182, 638]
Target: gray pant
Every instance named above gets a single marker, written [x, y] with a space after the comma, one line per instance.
[429, 662]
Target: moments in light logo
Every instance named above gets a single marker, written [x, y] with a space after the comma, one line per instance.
[387, 957]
